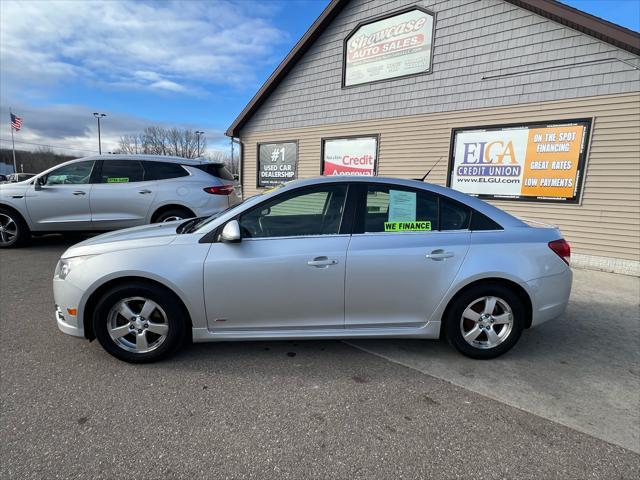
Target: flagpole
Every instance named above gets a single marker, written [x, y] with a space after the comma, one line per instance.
[13, 144]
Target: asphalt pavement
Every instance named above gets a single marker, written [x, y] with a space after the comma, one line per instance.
[308, 409]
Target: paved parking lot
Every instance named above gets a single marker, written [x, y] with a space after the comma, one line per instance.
[316, 409]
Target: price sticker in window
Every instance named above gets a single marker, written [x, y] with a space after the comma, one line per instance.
[118, 180]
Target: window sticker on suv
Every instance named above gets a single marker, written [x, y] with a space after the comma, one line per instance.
[407, 226]
[118, 180]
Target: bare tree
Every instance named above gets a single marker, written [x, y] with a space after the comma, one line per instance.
[163, 141]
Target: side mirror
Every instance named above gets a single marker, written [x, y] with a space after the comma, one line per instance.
[231, 232]
[37, 184]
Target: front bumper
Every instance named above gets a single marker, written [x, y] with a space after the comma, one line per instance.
[550, 296]
[67, 297]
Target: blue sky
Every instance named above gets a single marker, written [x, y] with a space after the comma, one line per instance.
[191, 64]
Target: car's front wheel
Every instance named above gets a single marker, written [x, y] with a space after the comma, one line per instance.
[485, 321]
[139, 322]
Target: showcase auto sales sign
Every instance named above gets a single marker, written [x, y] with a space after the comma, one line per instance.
[350, 156]
[390, 47]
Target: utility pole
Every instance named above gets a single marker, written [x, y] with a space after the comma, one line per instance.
[98, 117]
[198, 133]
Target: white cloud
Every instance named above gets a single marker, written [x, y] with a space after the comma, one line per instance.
[74, 128]
[165, 46]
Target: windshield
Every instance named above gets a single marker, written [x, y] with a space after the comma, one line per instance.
[188, 228]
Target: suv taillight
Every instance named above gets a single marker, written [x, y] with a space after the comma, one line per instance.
[221, 190]
[562, 249]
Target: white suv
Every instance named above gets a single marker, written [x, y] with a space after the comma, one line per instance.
[109, 192]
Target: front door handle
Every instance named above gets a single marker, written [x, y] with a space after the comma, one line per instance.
[439, 254]
[145, 191]
[321, 262]
[79, 192]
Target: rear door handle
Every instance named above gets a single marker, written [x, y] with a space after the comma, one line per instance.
[439, 254]
[321, 262]
[145, 191]
[79, 192]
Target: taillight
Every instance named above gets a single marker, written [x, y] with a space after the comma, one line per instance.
[221, 190]
[562, 249]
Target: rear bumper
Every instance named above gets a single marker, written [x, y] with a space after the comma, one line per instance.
[549, 296]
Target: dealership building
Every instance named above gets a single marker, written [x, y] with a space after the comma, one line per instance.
[529, 104]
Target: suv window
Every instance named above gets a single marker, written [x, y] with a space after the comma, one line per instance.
[74, 174]
[162, 170]
[397, 209]
[310, 211]
[216, 169]
[121, 171]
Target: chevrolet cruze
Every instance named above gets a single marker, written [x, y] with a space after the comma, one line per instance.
[333, 257]
[108, 192]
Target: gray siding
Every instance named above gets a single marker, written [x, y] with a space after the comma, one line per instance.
[474, 38]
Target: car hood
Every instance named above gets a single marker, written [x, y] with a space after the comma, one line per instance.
[137, 237]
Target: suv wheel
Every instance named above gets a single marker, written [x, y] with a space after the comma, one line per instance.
[139, 323]
[13, 229]
[485, 321]
[172, 215]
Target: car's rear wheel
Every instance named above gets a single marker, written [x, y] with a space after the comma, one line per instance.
[139, 322]
[14, 231]
[173, 215]
[485, 321]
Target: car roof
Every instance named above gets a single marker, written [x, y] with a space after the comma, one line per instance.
[503, 218]
[155, 158]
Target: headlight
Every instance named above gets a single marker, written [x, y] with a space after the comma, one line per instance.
[64, 266]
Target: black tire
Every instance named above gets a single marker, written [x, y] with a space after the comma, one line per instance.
[173, 214]
[18, 233]
[169, 306]
[481, 349]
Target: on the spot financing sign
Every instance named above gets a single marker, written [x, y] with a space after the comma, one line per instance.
[390, 47]
[350, 156]
[524, 162]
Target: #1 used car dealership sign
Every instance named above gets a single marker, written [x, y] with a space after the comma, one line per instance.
[389, 47]
[523, 162]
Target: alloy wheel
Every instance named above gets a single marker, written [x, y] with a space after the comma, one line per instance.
[137, 324]
[8, 229]
[486, 322]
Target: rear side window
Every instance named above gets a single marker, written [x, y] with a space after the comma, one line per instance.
[454, 215]
[216, 169]
[121, 171]
[482, 222]
[162, 170]
[396, 209]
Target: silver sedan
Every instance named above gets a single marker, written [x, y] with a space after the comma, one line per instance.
[333, 257]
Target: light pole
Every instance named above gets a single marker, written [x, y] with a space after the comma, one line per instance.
[198, 133]
[99, 116]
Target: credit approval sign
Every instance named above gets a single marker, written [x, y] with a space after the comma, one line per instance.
[541, 161]
[350, 156]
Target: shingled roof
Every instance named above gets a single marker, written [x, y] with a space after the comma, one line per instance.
[558, 12]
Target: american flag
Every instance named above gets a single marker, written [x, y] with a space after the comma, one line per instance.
[16, 122]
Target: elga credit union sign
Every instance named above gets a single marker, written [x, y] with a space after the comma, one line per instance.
[350, 156]
[277, 163]
[541, 161]
[389, 47]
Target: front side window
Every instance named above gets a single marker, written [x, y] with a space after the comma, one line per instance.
[121, 171]
[74, 174]
[316, 211]
[399, 210]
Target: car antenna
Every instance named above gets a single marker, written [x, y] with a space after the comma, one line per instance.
[432, 167]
